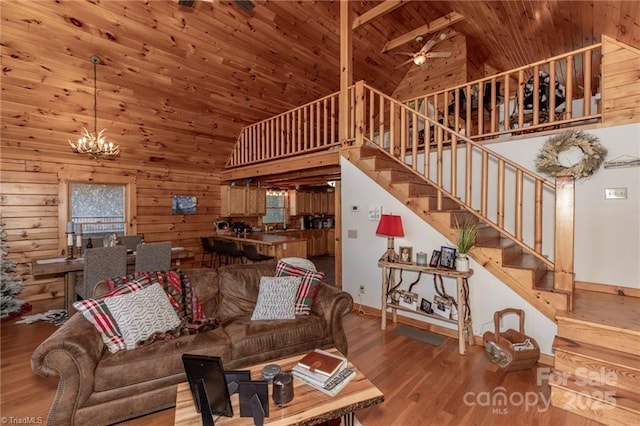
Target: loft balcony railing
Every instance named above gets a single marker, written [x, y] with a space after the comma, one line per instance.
[309, 128]
[567, 88]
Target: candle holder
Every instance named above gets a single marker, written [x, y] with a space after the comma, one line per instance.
[70, 245]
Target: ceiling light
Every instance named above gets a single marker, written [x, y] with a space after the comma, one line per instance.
[419, 59]
[95, 144]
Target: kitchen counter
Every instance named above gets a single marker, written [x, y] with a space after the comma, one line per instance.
[278, 246]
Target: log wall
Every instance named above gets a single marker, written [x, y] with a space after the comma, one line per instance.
[30, 202]
[620, 82]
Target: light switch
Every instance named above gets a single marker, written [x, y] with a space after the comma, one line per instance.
[352, 233]
[615, 194]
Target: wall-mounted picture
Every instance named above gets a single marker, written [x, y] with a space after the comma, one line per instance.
[435, 259]
[184, 204]
[406, 254]
[448, 257]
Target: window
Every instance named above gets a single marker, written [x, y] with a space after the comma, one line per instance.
[275, 207]
[99, 208]
[103, 203]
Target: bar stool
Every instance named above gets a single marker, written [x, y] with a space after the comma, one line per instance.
[232, 252]
[208, 249]
[251, 253]
[220, 247]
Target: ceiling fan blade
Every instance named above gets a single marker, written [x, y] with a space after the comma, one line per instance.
[404, 63]
[436, 38]
[405, 53]
[437, 54]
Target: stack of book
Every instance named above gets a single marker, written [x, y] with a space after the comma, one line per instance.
[327, 372]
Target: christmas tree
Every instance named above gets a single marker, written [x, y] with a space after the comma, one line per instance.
[10, 282]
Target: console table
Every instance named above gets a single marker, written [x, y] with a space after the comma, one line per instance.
[389, 281]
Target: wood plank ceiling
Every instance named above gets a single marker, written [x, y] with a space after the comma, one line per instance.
[177, 84]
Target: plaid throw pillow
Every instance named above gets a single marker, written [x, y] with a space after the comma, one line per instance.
[308, 287]
[97, 313]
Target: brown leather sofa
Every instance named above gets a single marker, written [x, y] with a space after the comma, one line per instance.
[97, 387]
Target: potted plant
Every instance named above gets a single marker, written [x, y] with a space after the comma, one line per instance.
[466, 238]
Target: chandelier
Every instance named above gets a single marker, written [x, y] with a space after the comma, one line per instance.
[95, 144]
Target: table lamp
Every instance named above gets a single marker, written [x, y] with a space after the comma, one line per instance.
[390, 226]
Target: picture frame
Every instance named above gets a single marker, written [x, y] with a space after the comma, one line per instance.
[435, 259]
[448, 257]
[406, 254]
[184, 204]
[408, 299]
[425, 306]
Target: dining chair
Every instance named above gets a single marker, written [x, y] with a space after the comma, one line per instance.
[131, 241]
[251, 253]
[101, 263]
[153, 257]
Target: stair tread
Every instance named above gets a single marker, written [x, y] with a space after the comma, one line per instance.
[607, 310]
[524, 261]
[545, 282]
[623, 398]
[599, 353]
[495, 242]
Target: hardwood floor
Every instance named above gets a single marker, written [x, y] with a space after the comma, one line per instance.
[422, 384]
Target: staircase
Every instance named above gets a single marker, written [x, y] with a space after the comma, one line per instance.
[597, 367]
[523, 272]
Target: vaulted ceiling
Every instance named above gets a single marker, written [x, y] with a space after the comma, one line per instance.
[177, 84]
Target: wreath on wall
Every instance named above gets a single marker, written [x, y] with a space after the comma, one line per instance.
[593, 156]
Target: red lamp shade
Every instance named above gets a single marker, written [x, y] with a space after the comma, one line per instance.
[390, 225]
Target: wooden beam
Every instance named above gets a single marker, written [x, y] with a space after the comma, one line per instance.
[433, 26]
[298, 163]
[381, 9]
[346, 68]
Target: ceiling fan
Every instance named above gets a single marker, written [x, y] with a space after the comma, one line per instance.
[420, 57]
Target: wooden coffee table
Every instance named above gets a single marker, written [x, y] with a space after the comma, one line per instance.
[309, 406]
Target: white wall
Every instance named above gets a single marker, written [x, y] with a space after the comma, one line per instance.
[602, 246]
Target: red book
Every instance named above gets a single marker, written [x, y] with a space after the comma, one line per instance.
[321, 362]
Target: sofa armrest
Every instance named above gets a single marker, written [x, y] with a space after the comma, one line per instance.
[333, 304]
[72, 354]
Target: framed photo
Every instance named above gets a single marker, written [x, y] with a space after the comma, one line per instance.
[408, 299]
[425, 306]
[435, 259]
[406, 254]
[448, 257]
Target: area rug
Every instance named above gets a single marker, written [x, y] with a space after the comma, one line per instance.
[54, 316]
[420, 335]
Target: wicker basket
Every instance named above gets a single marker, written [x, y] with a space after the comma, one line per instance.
[510, 350]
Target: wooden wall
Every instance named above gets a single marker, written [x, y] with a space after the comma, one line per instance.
[29, 196]
[441, 74]
[621, 83]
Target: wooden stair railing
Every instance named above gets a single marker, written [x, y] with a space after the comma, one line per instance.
[498, 192]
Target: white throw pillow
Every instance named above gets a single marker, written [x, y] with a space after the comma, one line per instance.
[300, 262]
[141, 313]
[276, 298]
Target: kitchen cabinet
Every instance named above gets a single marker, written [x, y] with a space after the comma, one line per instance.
[316, 202]
[242, 201]
[256, 201]
[232, 200]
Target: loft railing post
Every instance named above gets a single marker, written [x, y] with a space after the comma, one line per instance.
[564, 238]
[359, 107]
